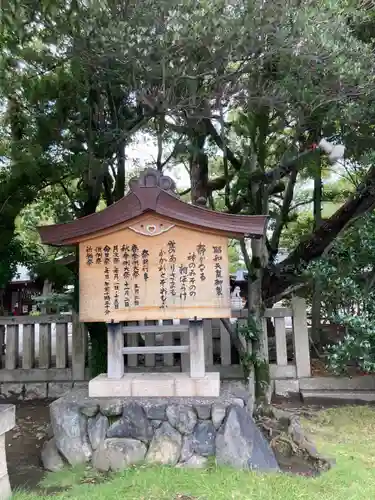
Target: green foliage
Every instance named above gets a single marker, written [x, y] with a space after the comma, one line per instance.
[347, 277]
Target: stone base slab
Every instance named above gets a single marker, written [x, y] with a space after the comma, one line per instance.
[155, 385]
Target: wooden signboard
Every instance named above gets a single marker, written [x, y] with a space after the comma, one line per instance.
[151, 256]
[151, 270]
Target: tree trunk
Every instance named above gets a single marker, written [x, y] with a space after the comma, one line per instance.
[317, 292]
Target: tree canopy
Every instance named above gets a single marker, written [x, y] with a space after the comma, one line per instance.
[236, 92]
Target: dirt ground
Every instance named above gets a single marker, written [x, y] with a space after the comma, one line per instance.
[25, 441]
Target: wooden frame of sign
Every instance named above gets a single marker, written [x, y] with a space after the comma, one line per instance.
[151, 256]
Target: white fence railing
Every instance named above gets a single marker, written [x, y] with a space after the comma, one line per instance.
[54, 348]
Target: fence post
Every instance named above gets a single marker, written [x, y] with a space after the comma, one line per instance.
[301, 338]
[79, 338]
[12, 347]
[115, 367]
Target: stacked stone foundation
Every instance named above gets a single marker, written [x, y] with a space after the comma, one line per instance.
[113, 434]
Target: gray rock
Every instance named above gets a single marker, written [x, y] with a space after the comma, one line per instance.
[183, 418]
[97, 429]
[51, 458]
[282, 415]
[165, 447]
[204, 438]
[239, 402]
[70, 432]
[156, 423]
[111, 408]
[133, 424]
[156, 412]
[203, 411]
[240, 444]
[218, 413]
[187, 448]
[118, 453]
[89, 410]
[195, 462]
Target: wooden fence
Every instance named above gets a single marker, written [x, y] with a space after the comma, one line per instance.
[47, 354]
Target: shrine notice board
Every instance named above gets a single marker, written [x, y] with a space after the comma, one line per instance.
[178, 273]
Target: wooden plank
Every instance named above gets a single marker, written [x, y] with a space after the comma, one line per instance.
[115, 347]
[280, 334]
[45, 345]
[278, 312]
[225, 346]
[79, 343]
[61, 345]
[132, 340]
[208, 344]
[156, 349]
[28, 347]
[154, 329]
[273, 312]
[12, 346]
[197, 361]
[32, 320]
[150, 341]
[168, 340]
[37, 375]
[184, 340]
[301, 338]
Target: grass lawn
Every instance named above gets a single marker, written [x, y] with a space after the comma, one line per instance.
[347, 434]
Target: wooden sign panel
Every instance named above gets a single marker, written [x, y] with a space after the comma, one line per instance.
[154, 270]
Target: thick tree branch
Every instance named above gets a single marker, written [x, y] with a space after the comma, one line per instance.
[278, 279]
[283, 216]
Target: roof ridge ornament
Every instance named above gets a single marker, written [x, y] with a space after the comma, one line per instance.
[152, 178]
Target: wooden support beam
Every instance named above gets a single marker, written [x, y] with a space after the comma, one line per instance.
[197, 363]
[115, 351]
[157, 349]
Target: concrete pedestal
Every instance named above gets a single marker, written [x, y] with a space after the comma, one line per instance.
[7, 422]
[155, 385]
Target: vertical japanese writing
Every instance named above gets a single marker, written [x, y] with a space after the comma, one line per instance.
[107, 291]
[192, 274]
[218, 257]
[125, 253]
[98, 255]
[136, 294]
[125, 250]
[116, 283]
[107, 258]
[89, 256]
[172, 261]
[145, 263]
[163, 278]
[201, 251]
[183, 281]
[135, 261]
[126, 294]
[116, 255]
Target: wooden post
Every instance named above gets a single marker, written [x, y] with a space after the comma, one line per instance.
[45, 345]
[281, 348]
[301, 338]
[12, 345]
[197, 364]
[61, 345]
[115, 351]
[208, 342]
[184, 340]
[79, 337]
[28, 350]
